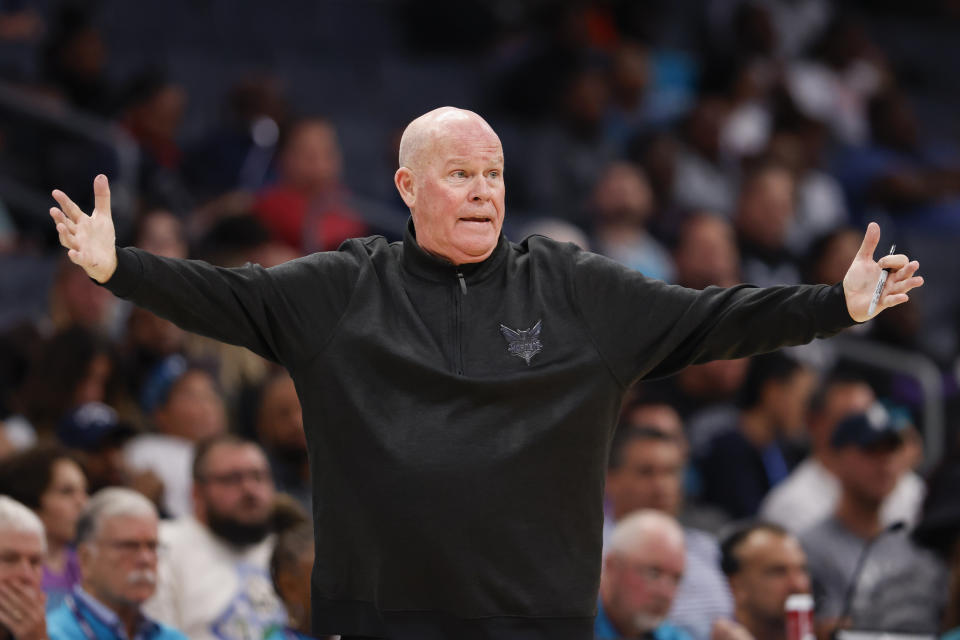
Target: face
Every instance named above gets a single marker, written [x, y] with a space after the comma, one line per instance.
[623, 196]
[162, 234]
[21, 559]
[767, 208]
[772, 568]
[650, 477]
[841, 400]
[92, 388]
[236, 487]
[456, 193]
[707, 254]
[789, 401]
[311, 160]
[119, 564]
[642, 583]
[280, 420]
[869, 475]
[194, 409]
[661, 417]
[63, 501]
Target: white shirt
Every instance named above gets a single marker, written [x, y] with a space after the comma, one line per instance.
[171, 458]
[810, 495]
[211, 590]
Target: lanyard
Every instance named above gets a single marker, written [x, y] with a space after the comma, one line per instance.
[82, 621]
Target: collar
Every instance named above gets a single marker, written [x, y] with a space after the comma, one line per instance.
[425, 265]
[105, 616]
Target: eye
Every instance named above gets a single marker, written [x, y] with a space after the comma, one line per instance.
[494, 174]
[460, 174]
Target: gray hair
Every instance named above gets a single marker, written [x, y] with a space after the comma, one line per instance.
[634, 529]
[109, 503]
[17, 517]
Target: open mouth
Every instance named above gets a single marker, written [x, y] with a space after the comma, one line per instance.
[475, 219]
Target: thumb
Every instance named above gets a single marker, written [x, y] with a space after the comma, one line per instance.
[870, 240]
[101, 194]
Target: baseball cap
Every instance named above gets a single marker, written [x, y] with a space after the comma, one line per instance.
[92, 425]
[868, 429]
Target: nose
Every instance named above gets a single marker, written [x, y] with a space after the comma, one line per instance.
[481, 191]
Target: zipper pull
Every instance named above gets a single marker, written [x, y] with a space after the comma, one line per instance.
[463, 283]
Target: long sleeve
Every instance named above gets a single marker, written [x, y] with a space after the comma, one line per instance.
[284, 313]
[644, 327]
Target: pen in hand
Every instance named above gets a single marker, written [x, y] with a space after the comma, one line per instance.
[880, 282]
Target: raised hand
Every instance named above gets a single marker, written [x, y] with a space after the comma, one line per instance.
[90, 240]
[22, 611]
[861, 279]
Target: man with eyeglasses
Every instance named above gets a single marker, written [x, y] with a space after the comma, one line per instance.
[117, 549]
[214, 580]
[641, 571]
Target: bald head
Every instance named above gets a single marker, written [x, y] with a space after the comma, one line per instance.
[421, 136]
[644, 527]
[451, 178]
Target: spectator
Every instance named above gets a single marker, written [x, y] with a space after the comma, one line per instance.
[213, 580]
[117, 543]
[308, 208]
[765, 565]
[810, 492]
[646, 472]
[290, 567]
[51, 483]
[706, 253]
[280, 431]
[745, 459]
[765, 211]
[641, 571]
[186, 407]
[75, 300]
[900, 587]
[703, 179]
[159, 231]
[22, 548]
[622, 205]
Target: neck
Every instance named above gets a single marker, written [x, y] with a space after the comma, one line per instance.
[756, 427]
[759, 628]
[127, 612]
[56, 555]
[861, 517]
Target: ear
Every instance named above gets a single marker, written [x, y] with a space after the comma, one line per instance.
[406, 185]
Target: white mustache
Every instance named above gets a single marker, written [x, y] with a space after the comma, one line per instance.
[138, 576]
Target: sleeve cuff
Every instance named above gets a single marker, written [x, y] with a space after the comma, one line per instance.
[127, 276]
[837, 316]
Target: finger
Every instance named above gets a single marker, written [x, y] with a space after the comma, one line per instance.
[68, 206]
[870, 240]
[101, 194]
[893, 262]
[905, 272]
[66, 238]
[59, 217]
[906, 285]
[894, 300]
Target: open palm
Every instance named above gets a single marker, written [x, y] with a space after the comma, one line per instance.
[90, 240]
[861, 279]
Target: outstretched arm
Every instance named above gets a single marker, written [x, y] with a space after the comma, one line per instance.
[90, 240]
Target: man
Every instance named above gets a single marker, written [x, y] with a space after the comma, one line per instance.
[764, 565]
[117, 546]
[22, 547]
[213, 579]
[646, 472]
[279, 424]
[641, 572]
[899, 587]
[810, 492]
[456, 355]
[747, 458]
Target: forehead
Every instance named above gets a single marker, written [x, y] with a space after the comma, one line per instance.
[465, 140]
[228, 456]
[763, 548]
[641, 450]
[20, 542]
[128, 526]
[658, 550]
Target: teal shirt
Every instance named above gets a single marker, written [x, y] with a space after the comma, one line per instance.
[284, 633]
[103, 624]
[603, 629]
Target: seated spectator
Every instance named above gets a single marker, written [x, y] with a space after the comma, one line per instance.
[646, 472]
[621, 206]
[308, 208]
[290, 568]
[96, 437]
[765, 211]
[22, 548]
[76, 300]
[899, 587]
[703, 178]
[810, 492]
[745, 459]
[765, 565]
[186, 407]
[641, 571]
[117, 543]
[706, 253]
[213, 580]
[51, 483]
[280, 431]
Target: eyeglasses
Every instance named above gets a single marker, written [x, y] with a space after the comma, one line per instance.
[130, 547]
[651, 573]
[236, 478]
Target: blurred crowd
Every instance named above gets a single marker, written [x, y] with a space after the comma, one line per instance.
[157, 481]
